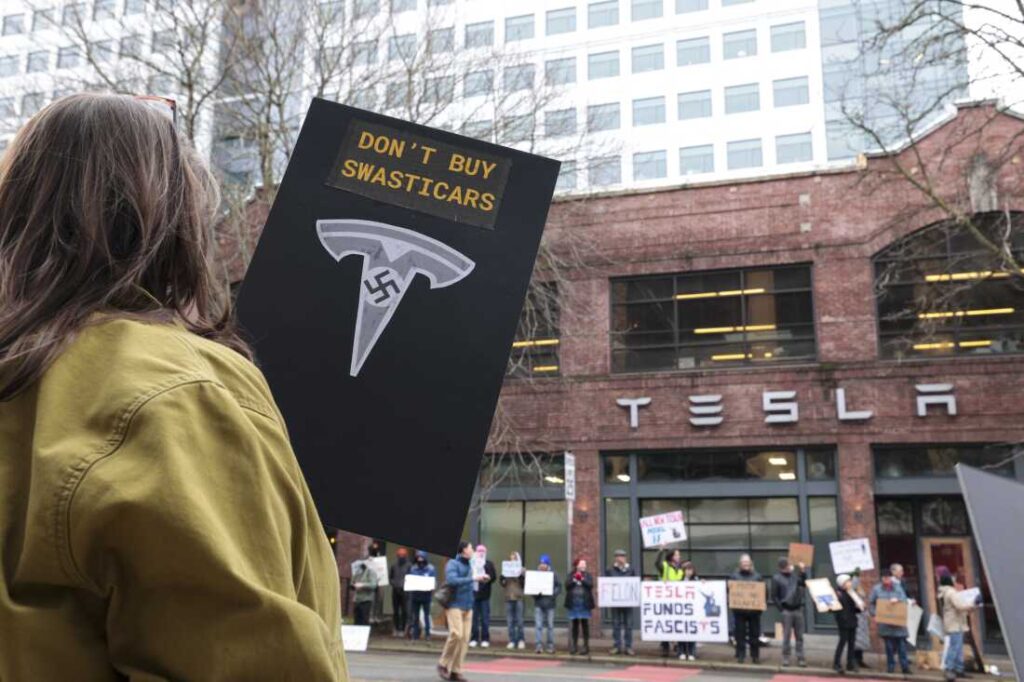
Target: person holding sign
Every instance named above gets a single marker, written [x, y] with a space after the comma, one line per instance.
[482, 598]
[788, 588]
[419, 602]
[622, 617]
[512, 580]
[669, 565]
[846, 620]
[954, 622]
[544, 609]
[579, 600]
[364, 582]
[459, 576]
[688, 650]
[748, 621]
[894, 636]
[399, 600]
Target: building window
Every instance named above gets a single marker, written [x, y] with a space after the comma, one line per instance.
[402, 6]
[9, 65]
[730, 3]
[605, 170]
[560, 123]
[603, 117]
[441, 40]
[480, 34]
[930, 461]
[693, 51]
[602, 14]
[739, 44]
[838, 26]
[712, 319]
[7, 107]
[519, 28]
[941, 292]
[478, 83]
[437, 3]
[648, 111]
[744, 154]
[14, 24]
[561, 21]
[134, 6]
[480, 130]
[696, 160]
[103, 51]
[397, 95]
[694, 104]
[515, 129]
[535, 349]
[38, 62]
[518, 78]
[648, 58]
[603, 65]
[787, 37]
[103, 9]
[566, 177]
[364, 8]
[32, 102]
[560, 71]
[43, 19]
[67, 57]
[364, 53]
[646, 9]
[649, 165]
[741, 98]
[364, 98]
[439, 90]
[402, 47]
[163, 41]
[789, 92]
[131, 46]
[793, 148]
[684, 6]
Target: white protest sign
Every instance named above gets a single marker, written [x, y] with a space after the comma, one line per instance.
[663, 529]
[969, 597]
[477, 564]
[420, 583]
[378, 564]
[511, 569]
[691, 611]
[617, 592]
[355, 637]
[570, 476]
[914, 615]
[849, 555]
[539, 583]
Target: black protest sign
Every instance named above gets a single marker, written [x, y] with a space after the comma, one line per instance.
[382, 302]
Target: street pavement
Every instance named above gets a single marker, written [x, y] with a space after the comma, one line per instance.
[379, 666]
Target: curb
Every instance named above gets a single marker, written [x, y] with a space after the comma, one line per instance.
[598, 659]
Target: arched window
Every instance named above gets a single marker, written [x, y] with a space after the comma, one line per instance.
[951, 290]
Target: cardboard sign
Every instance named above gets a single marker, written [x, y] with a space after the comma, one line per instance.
[511, 569]
[800, 553]
[824, 597]
[850, 555]
[539, 583]
[355, 637]
[691, 611]
[891, 612]
[747, 595]
[618, 592]
[663, 529]
[420, 583]
[382, 302]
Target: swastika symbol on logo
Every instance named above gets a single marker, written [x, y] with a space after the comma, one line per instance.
[381, 285]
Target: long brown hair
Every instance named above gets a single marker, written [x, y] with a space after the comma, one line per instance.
[103, 209]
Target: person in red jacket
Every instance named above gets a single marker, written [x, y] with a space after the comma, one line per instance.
[579, 600]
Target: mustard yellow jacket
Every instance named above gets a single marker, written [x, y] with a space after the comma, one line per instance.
[154, 524]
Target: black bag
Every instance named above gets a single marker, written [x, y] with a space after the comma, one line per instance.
[445, 595]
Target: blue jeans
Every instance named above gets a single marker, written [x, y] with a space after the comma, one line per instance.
[622, 628]
[481, 621]
[544, 617]
[514, 619]
[954, 659]
[896, 646]
[417, 608]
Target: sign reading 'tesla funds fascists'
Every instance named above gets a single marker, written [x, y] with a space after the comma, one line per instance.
[690, 611]
[382, 302]
[617, 592]
[851, 555]
[663, 529]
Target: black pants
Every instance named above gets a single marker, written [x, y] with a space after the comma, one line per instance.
[577, 625]
[362, 612]
[399, 609]
[748, 629]
[847, 637]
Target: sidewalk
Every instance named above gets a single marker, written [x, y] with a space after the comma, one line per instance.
[718, 657]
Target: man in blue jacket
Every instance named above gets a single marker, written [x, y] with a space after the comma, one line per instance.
[459, 576]
[419, 602]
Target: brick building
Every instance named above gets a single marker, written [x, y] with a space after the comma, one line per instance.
[798, 358]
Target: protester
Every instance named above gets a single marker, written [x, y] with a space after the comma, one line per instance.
[688, 650]
[788, 591]
[364, 582]
[579, 601]
[459, 576]
[894, 636]
[514, 605]
[622, 618]
[862, 642]
[544, 610]
[669, 566]
[419, 602]
[482, 600]
[955, 623]
[846, 620]
[399, 602]
[748, 623]
[135, 428]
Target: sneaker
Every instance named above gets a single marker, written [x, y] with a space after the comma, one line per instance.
[539, 649]
[472, 644]
[682, 657]
[785, 663]
[614, 651]
[510, 645]
[551, 649]
[442, 672]
[485, 645]
[691, 657]
[801, 662]
[630, 652]
[755, 660]
[522, 645]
